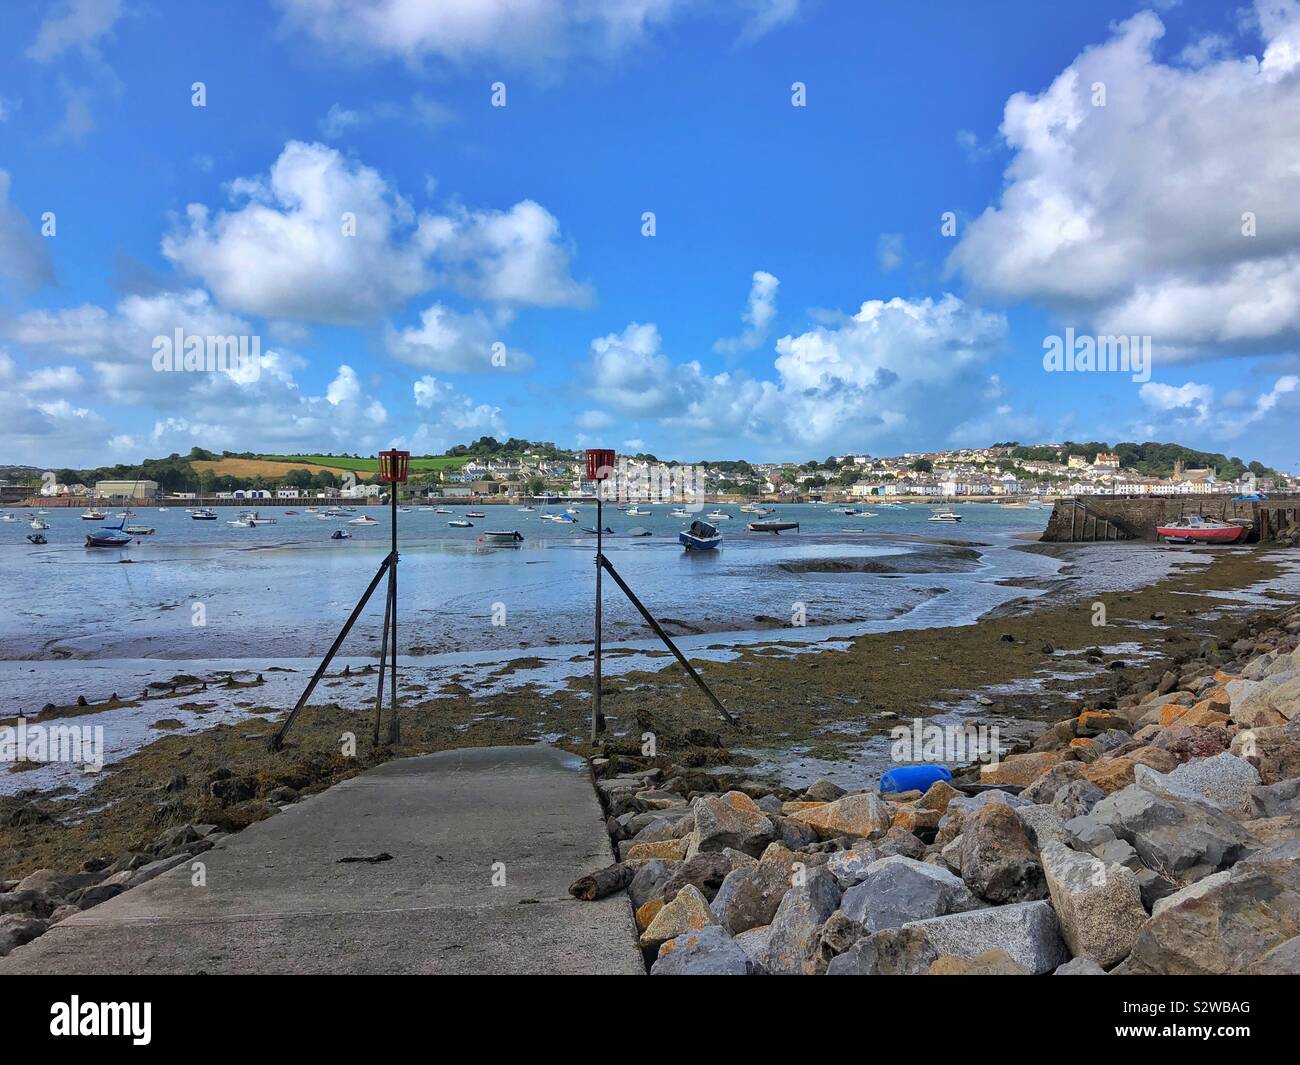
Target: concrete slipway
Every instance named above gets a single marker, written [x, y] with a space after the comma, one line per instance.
[279, 899]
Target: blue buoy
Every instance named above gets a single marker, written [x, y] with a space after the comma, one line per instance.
[912, 778]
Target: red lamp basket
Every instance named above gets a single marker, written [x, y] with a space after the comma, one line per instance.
[600, 464]
[394, 466]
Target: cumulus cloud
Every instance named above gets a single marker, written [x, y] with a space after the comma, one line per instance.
[868, 380]
[451, 415]
[323, 238]
[456, 343]
[1192, 405]
[758, 315]
[1133, 216]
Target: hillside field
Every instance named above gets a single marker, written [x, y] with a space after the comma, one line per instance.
[364, 465]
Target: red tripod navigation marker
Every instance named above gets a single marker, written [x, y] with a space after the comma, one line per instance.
[393, 470]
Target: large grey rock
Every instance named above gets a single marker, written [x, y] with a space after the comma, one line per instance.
[649, 880]
[705, 872]
[1042, 823]
[823, 790]
[17, 929]
[731, 820]
[755, 943]
[850, 867]
[802, 912]
[1224, 781]
[1077, 798]
[998, 861]
[749, 896]
[1197, 890]
[1232, 927]
[1276, 800]
[1171, 832]
[898, 890]
[706, 952]
[1098, 906]
[1026, 931]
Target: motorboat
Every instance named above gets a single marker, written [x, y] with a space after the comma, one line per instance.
[36, 538]
[442, 510]
[502, 536]
[241, 522]
[607, 530]
[678, 512]
[1195, 529]
[138, 530]
[526, 510]
[475, 514]
[863, 514]
[256, 518]
[340, 534]
[718, 515]
[203, 514]
[460, 523]
[701, 536]
[93, 515]
[364, 519]
[944, 516]
[636, 510]
[772, 526]
[38, 523]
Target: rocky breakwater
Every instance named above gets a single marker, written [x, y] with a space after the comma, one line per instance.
[1158, 835]
[31, 906]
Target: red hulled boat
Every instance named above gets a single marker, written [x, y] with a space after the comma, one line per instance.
[1195, 529]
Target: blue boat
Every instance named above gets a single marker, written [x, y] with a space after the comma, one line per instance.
[701, 536]
[110, 537]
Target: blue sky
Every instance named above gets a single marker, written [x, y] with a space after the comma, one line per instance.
[798, 297]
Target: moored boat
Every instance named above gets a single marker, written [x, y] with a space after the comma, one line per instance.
[701, 536]
[203, 514]
[1195, 529]
[772, 526]
[502, 536]
[460, 523]
[944, 515]
[365, 519]
[93, 515]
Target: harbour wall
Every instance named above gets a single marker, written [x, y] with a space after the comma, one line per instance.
[1090, 518]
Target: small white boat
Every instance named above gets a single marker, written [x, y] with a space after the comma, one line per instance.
[254, 518]
[719, 515]
[460, 523]
[678, 513]
[636, 510]
[7, 518]
[37, 523]
[526, 510]
[442, 510]
[203, 514]
[138, 530]
[163, 510]
[309, 510]
[427, 510]
[944, 516]
[502, 536]
[241, 523]
[365, 519]
[863, 514]
[475, 514]
[93, 515]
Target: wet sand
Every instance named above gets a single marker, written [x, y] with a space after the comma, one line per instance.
[802, 707]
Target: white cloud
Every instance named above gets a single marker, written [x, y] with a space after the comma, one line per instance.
[1175, 408]
[7, 107]
[515, 256]
[74, 24]
[758, 315]
[345, 388]
[321, 238]
[452, 415]
[517, 31]
[893, 371]
[1129, 216]
[456, 343]
[24, 256]
[283, 253]
[421, 110]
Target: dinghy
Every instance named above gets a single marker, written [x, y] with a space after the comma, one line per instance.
[701, 536]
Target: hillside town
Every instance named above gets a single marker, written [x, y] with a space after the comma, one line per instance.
[1006, 472]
